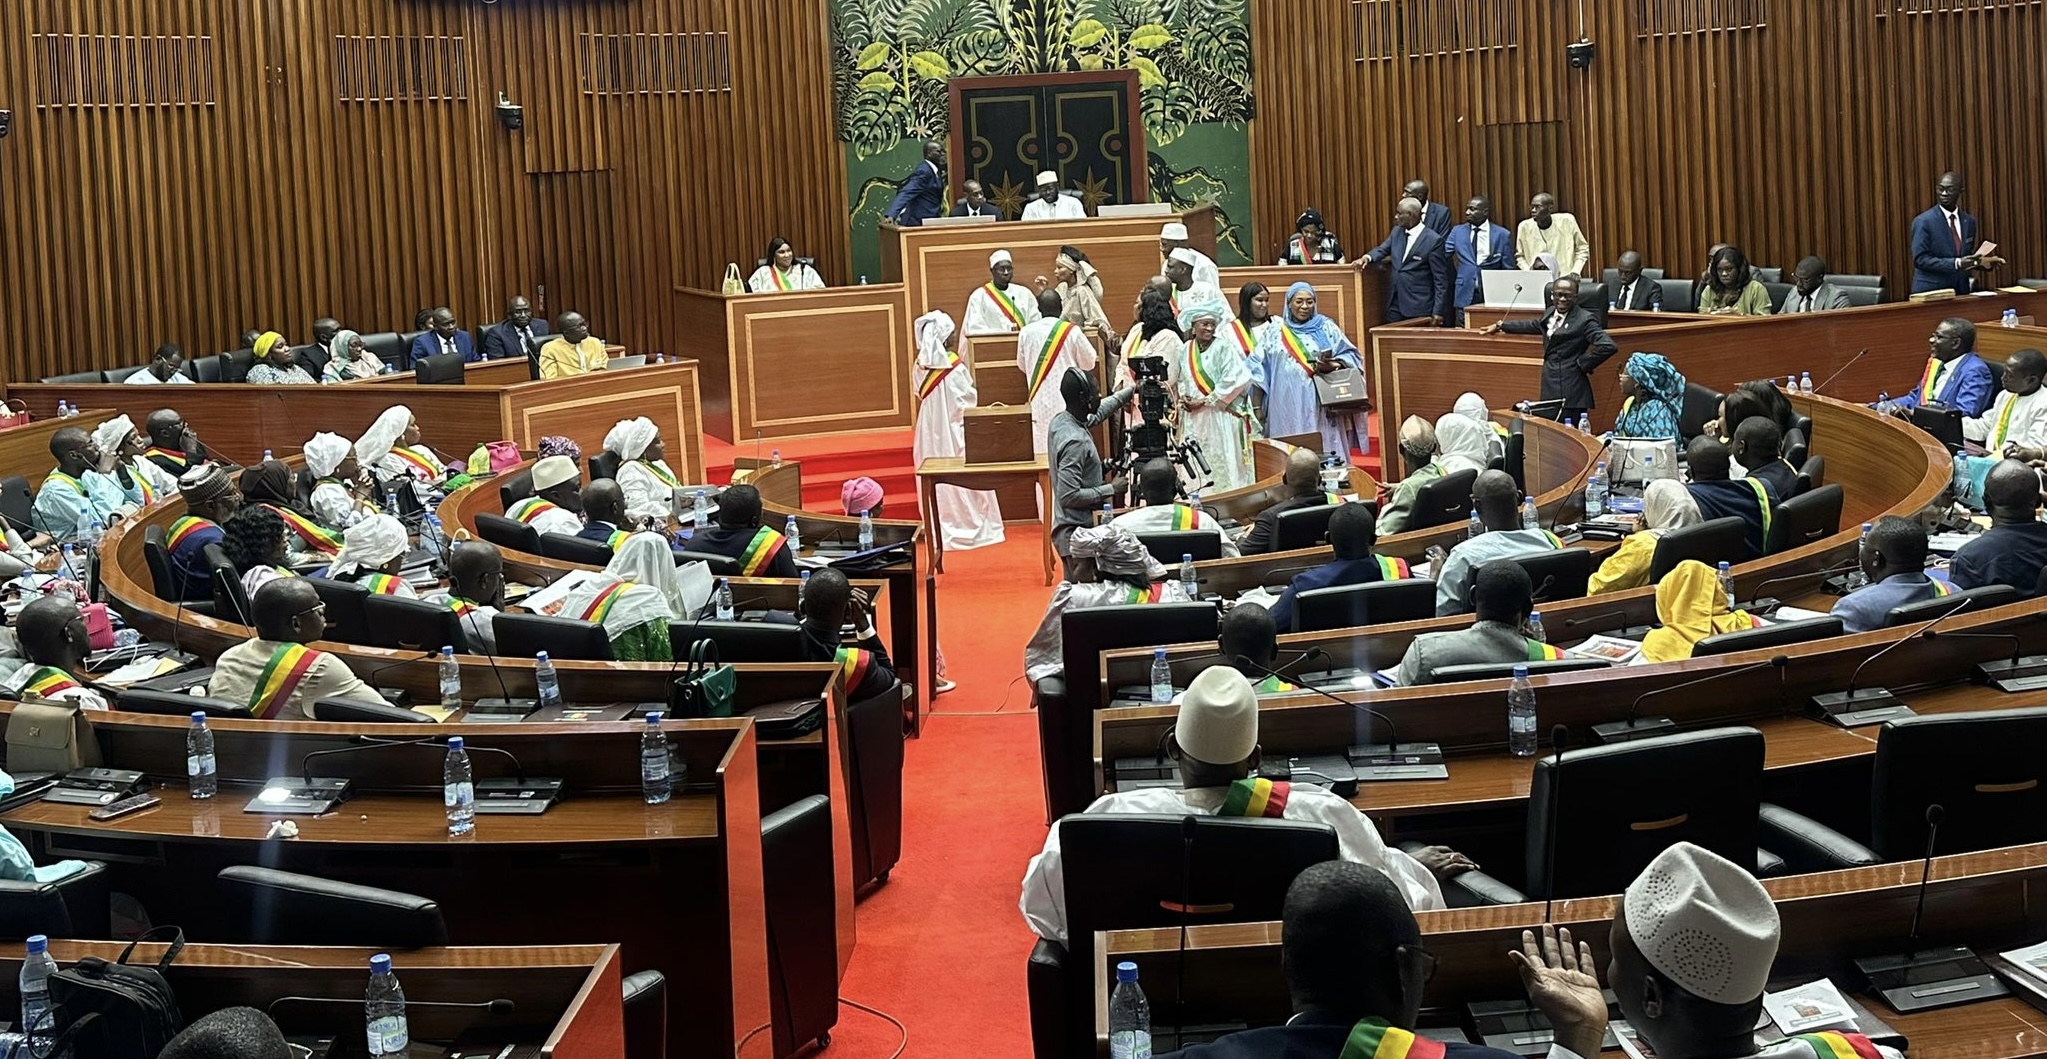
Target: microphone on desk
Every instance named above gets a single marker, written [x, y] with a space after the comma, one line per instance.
[2020, 672]
[1559, 739]
[1860, 706]
[367, 743]
[1576, 481]
[1588, 619]
[496, 1006]
[420, 657]
[1639, 727]
[1416, 761]
[1922, 980]
[1821, 388]
[506, 704]
[1823, 574]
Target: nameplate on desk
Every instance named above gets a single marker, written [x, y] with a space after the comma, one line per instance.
[1860, 707]
[1404, 761]
[529, 796]
[298, 796]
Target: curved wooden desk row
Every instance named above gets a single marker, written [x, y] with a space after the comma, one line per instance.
[239, 421]
[565, 998]
[1829, 919]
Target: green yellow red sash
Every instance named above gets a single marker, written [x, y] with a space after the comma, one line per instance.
[1147, 595]
[172, 455]
[760, 551]
[286, 670]
[1940, 588]
[1542, 652]
[1762, 505]
[1243, 335]
[1203, 381]
[1391, 569]
[48, 681]
[617, 538]
[461, 607]
[660, 472]
[1003, 303]
[1054, 342]
[381, 584]
[1272, 685]
[1996, 445]
[781, 278]
[854, 662]
[149, 491]
[1332, 499]
[934, 376]
[1255, 796]
[1185, 517]
[182, 530]
[414, 461]
[532, 508]
[76, 485]
[605, 600]
[317, 537]
[1297, 348]
[1831, 1045]
[1926, 392]
[1373, 1039]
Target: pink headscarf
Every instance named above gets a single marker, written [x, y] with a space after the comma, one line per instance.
[860, 494]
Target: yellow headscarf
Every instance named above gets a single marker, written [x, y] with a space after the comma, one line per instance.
[266, 342]
[1691, 607]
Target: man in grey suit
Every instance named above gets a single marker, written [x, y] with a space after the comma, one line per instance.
[1810, 291]
[1502, 596]
[1420, 282]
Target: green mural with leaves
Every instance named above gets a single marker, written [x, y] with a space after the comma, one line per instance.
[892, 60]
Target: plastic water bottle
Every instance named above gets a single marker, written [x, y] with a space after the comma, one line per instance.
[1529, 519]
[546, 684]
[1883, 401]
[451, 680]
[458, 789]
[1108, 511]
[36, 970]
[63, 410]
[384, 1011]
[724, 599]
[774, 457]
[2009, 319]
[863, 279]
[1535, 630]
[72, 567]
[866, 531]
[802, 586]
[26, 584]
[795, 536]
[1856, 578]
[1595, 492]
[1473, 526]
[1805, 382]
[1584, 423]
[654, 786]
[1129, 1016]
[391, 501]
[267, 457]
[1649, 467]
[1189, 580]
[1727, 584]
[201, 774]
[1521, 715]
[701, 517]
[1161, 677]
[1790, 384]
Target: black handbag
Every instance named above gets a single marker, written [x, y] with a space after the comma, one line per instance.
[132, 1008]
[788, 719]
[707, 688]
[1342, 389]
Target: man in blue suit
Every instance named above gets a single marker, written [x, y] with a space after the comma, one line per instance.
[1353, 533]
[1944, 242]
[1420, 283]
[923, 191]
[1435, 215]
[1476, 244]
[443, 337]
[1959, 378]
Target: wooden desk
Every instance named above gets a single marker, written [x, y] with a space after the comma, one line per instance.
[505, 371]
[566, 998]
[803, 363]
[1999, 343]
[956, 471]
[25, 450]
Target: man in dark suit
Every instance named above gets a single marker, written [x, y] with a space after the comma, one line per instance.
[518, 336]
[1944, 242]
[923, 192]
[1476, 245]
[443, 336]
[1352, 536]
[1630, 291]
[1420, 283]
[976, 203]
[1573, 345]
[1435, 215]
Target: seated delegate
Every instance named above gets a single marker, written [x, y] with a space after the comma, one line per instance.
[351, 360]
[1158, 485]
[1691, 606]
[1106, 566]
[1652, 397]
[2013, 551]
[782, 272]
[829, 604]
[1503, 597]
[443, 336]
[761, 551]
[77, 493]
[633, 598]
[573, 352]
[1954, 376]
[51, 633]
[166, 365]
[1418, 455]
[518, 336]
[2014, 425]
[1351, 537]
[1758, 446]
[276, 674]
[475, 592]
[341, 491]
[372, 553]
[1302, 480]
[643, 473]
[1666, 505]
[1749, 499]
[604, 518]
[1893, 557]
[277, 363]
[556, 503]
[1498, 504]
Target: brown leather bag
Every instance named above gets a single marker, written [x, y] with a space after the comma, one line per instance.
[46, 736]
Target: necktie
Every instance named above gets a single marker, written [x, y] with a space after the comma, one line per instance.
[1954, 225]
[1806, 305]
[1623, 302]
[1556, 322]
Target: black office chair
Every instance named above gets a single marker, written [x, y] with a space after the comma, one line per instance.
[1802, 425]
[1515, 462]
[17, 503]
[1778, 291]
[604, 464]
[1980, 598]
[526, 635]
[1767, 275]
[740, 641]
[1814, 470]
[515, 487]
[76, 906]
[873, 746]
[1371, 603]
[271, 907]
[234, 367]
[1778, 634]
[1859, 297]
[203, 369]
[568, 549]
[1795, 449]
[177, 703]
[1504, 670]
[719, 565]
[1560, 573]
[1852, 280]
[413, 624]
[507, 533]
[405, 340]
[390, 347]
[347, 609]
[1714, 541]
[1625, 803]
[363, 711]
[441, 369]
[1678, 296]
[1168, 546]
[158, 558]
[1807, 518]
[1612, 277]
[1701, 404]
[1302, 527]
[1443, 502]
[121, 374]
[1134, 871]
[76, 378]
[230, 599]
[803, 962]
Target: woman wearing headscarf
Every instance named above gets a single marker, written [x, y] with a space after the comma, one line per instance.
[391, 449]
[635, 615]
[1474, 407]
[561, 445]
[351, 359]
[269, 485]
[643, 473]
[945, 390]
[371, 554]
[277, 363]
[1666, 505]
[257, 544]
[340, 491]
[124, 448]
[645, 559]
[1464, 444]
[783, 272]
[1110, 566]
[1209, 379]
[1080, 292]
[1306, 344]
[1691, 607]
[1312, 243]
[1653, 393]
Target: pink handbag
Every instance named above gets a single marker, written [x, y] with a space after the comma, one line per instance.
[99, 626]
[494, 457]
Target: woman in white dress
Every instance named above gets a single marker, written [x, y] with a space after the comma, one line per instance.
[1210, 378]
[945, 390]
[783, 272]
[643, 474]
[392, 450]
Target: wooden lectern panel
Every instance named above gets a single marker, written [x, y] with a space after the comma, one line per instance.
[821, 362]
[587, 406]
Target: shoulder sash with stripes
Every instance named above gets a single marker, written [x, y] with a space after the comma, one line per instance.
[605, 600]
[781, 278]
[48, 681]
[854, 662]
[1332, 499]
[182, 531]
[1145, 595]
[531, 508]
[1185, 517]
[1391, 569]
[381, 584]
[760, 551]
[1297, 348]
[1542, 652]
[1940, 588]
[286, 670]
[1243, 334]
[656, 470]
[1373, 1039]
[1272, 685]
[1203, 381]
[416, 462]
[317, 537]
[1003, 303]
[1762, 505]
[142, 483]
[1055, 340]
[1927, 394]
[934, 376]
[460, 606]
[172, 455]
[616, 538]
[1255, 796]
[1832, 1045]
[76, 485]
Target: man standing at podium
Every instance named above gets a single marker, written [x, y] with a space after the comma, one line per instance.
[1045, 348]
[1000, 306]
[923, 192]
[1573, 345]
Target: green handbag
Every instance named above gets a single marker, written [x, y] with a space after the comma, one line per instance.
[707, 688]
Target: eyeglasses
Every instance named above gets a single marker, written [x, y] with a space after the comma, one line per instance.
[317, 608]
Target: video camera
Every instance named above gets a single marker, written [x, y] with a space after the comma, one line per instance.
[1152, 439]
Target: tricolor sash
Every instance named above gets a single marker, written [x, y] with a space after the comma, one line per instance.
[416, 462]
[1146, 595]
[48, 681]
[461, 607]
[1926, 381]
[781, 278]
[1054, 342]
[1243, 336]
[76, 485]
[381, 584]
[1185, 517]
[286, 670]
[1203, 381]
[1297, 348]
[149, 491]
[1373, 1039]
[760, 551]
[658, 471]
[317, 537]
[182, 531]
[172, 455]
[616, 538]
[605, 600]
[1832, 1045]
[1003, 303]
[1542, 652]
[1255, 796]
[854, 662]
[1332, 499]
[1762, 505]
[2003, 424]
[1940, 588]
[1272, 685]
[934, 376]
[1391, 569]
[532, 508]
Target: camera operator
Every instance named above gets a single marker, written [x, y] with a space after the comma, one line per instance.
[1077, 485]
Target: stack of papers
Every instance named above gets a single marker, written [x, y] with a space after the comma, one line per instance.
[1611, 649]
[1809, 1008]
[2032, 959]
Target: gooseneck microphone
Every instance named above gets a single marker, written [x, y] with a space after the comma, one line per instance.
[1935, 815]
[1639, 727]
[496, 1006]
[1559, 739]
[1578, 480]
[1416, 761]
[1860, 706]
[1821, 388]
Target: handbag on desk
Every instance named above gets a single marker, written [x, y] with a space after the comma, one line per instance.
[707, 688]
[1342, 390]
[733, 284]
[14, 414]
[49, 736]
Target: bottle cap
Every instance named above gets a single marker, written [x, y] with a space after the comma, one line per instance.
[1158, 652]
[198, 716]
[653, 719]
[380, 963]
[454, 742]
[1186, 557]
[1126, 971]
[540, 657]
[1534, 615]
[1520, 669]
[447, 651]
[38, 943]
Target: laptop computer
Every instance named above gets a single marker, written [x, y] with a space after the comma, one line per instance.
[637, 360]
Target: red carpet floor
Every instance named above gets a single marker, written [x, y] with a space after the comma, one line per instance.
[941, 944]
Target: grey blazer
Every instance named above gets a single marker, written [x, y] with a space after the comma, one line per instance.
[1827, 296]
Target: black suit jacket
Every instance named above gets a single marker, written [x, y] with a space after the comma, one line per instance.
[1645, 297]
[1419, 283]
[961, 209]
[500, 344]
[1569, 356]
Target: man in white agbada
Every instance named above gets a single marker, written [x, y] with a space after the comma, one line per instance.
[1215, 742]
[550, 509]
[335, 473]
[643, 475]
[119, 437]
[1050, 205]
[1000, 306]
[392, 451]
[1045, 348]
[1210, 380]
[1187, 288]
[1174, 237]
[1107, 565]
[945, 388]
